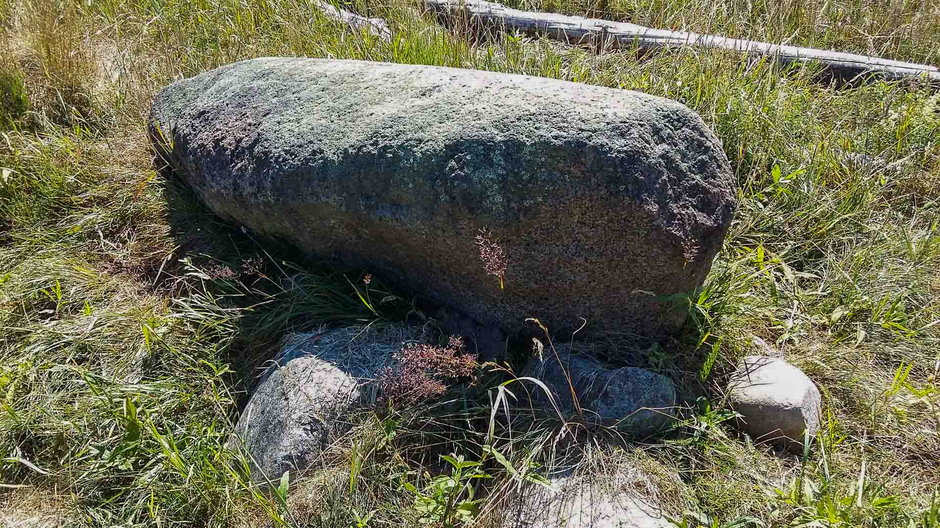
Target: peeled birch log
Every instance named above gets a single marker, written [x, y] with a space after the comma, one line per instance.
[376, 26]
[580, 30]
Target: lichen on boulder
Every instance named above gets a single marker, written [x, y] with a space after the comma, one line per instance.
[607, 205]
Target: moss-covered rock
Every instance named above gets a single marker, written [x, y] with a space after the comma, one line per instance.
[604, 204]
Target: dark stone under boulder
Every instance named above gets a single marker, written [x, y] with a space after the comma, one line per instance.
[636, 401]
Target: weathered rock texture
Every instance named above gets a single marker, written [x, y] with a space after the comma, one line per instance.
[634, 400]
[606, 501]
[777, 401]
[303, 400]
[604, 201]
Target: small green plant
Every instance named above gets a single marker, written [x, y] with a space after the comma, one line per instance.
[54, 295]
[700, 520]
[364, 297]
[360, 520]
[448, 500]
[705, 423]
[930, 518]
[819, 498]
[283, 488]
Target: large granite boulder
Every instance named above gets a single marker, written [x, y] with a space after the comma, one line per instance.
[595, 203]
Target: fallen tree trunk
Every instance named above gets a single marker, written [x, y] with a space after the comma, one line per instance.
[376, 26]
[579, 30]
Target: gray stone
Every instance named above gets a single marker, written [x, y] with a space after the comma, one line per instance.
[579, 502]
[489, 343]
[607, 204]
[303, 399]
[635, 400]
[777, 401]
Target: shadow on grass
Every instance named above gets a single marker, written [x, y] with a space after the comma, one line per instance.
[248, 292]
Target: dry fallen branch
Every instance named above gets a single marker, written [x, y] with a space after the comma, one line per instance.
[606, 33]
[376, 26]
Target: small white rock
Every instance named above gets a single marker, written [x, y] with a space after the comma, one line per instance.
[777, 401]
